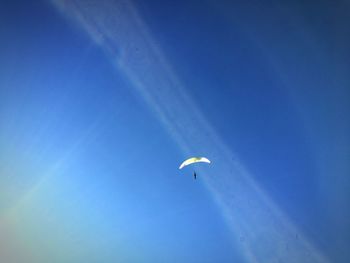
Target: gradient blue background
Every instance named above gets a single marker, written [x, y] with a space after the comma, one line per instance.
[89, 174]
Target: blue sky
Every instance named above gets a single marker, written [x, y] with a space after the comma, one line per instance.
[101, 101]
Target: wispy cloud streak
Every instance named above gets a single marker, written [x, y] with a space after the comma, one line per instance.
[261, 230]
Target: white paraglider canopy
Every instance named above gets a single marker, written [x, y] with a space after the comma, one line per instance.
[194, 160]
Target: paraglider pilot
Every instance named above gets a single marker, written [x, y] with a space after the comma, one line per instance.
[194, 160]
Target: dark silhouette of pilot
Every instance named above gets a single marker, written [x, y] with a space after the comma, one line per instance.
[195, 175]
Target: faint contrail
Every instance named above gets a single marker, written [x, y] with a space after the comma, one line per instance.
[260, 228]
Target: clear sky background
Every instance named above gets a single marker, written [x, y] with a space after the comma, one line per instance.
[100, 102]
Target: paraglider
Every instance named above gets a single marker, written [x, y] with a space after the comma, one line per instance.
[194, 160]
